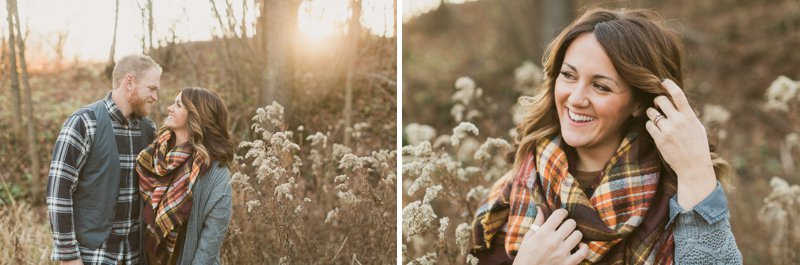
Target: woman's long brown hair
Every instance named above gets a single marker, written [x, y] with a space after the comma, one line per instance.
[207, 124]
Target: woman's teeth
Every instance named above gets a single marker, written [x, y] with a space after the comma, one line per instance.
[579, 118]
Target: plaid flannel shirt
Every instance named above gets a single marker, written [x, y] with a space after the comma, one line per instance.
[69, 156]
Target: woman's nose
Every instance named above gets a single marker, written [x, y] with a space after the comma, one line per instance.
[578, 96]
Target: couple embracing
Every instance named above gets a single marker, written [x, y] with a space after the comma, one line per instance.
[121, 191]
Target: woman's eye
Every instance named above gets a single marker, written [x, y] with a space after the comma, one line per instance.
[601, 87]
[568, 75]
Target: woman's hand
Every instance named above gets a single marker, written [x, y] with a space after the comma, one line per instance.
[551, 243]
[682, 141]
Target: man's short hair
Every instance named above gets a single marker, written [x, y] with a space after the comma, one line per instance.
[136, 64]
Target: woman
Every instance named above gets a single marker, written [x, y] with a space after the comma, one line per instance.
[183, 181]
[612, 146]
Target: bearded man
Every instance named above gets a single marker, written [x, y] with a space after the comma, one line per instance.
[92, 189]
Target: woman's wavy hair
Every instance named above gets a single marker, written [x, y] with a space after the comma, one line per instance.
[642, 49]
[207, 124]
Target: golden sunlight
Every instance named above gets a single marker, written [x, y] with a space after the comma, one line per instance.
[321, 19]
[378, 17]
[60, 33]
[414, 8]
[318, 19]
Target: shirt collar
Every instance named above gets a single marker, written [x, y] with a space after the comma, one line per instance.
[115, 113]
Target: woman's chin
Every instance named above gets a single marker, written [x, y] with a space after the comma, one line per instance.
[574, 140]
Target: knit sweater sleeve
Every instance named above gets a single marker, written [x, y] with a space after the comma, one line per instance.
[215, 224]
[703, 234]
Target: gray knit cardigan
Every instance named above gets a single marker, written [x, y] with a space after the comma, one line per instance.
[703, 234]
[208, 220]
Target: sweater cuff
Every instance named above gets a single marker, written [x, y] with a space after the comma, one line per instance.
[712, 209]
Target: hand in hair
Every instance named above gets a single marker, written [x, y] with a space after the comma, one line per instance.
[551, 241]
[681, 139]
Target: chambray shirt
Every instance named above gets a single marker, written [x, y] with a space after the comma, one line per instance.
[703, 234]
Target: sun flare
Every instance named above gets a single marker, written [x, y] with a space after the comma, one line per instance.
[321, 19]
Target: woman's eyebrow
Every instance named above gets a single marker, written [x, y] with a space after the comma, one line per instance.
[596, 76]
[571, 67]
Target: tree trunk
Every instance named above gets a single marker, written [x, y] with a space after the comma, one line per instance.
[552, 16]
[62, 39]
[395, 20]
[515, 17]
[12, 59]
[354, 32]
[3, 58]
[243, 25]
[35, 168]
[110, 64]
[259, 38]
[278, 75]
[348, 106]
[143, 10]
[261, 30]
[150, 26]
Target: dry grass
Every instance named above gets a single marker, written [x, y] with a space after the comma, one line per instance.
[305, 199]
[444, 179]
[26, 238]
[780, 212]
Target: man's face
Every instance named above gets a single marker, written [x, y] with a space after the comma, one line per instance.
[145, 92]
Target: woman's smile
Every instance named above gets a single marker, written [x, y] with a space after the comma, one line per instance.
[578, 119]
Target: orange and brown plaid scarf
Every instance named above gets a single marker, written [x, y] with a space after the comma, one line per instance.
[166, 176]
[623, 222]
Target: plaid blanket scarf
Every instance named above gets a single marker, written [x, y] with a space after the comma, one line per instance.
[623, 222]
[166, 176]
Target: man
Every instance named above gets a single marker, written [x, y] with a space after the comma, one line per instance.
[92, 189]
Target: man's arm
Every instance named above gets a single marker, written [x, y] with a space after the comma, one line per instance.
[69, 155]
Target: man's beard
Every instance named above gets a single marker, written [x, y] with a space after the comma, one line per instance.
[140, 109]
